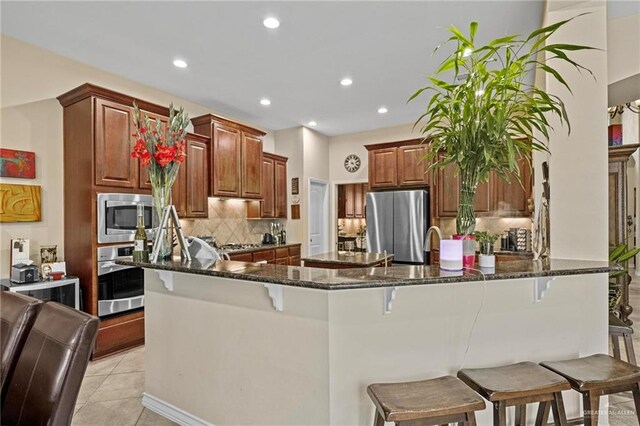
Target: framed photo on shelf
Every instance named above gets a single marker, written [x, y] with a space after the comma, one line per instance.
[48, 254]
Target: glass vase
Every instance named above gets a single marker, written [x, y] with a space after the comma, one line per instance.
[161, 199]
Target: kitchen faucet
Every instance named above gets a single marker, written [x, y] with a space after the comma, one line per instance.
[427, 238]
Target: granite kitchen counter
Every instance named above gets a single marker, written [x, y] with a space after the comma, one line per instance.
[392, 276]
[342, 259]
[258, 247]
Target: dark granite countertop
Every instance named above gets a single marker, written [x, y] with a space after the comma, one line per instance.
[350, 259]
[260, 247]
[400, 275]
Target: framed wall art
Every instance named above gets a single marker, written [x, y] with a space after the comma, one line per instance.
[17, 164]
[20, 203]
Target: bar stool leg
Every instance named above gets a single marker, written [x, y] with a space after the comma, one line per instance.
[471, 419]
[499, 414]
[559, 415]
[521, 415]
[636, 399]
[591, 405]
[615, 343]
[631, 354]
[378, 420]
[543, 413]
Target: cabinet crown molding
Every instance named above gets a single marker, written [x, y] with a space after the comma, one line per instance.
[396, 144]
[87, 90]
[210, 118]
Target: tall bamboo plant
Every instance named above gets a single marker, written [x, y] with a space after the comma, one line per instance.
[485, 119]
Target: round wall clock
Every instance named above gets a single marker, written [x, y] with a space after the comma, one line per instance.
[352, 163]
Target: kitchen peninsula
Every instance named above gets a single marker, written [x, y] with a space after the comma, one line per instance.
[242, 343]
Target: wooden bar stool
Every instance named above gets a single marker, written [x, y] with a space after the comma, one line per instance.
[617, 329]
[598, 375]
[430, 402]
[518, 385]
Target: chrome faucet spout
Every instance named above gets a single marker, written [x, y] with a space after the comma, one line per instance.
[427, 242]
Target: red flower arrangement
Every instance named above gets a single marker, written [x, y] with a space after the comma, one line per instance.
[160, 147]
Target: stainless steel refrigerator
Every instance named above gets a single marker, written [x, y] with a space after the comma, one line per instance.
[397, 222]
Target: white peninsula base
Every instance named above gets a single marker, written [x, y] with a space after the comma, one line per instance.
[218, 352]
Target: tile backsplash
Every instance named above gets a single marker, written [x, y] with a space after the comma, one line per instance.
[228, 223]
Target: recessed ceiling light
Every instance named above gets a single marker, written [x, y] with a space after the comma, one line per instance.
[479, 92]
[180, 63]
[265, 102]
[313, 123]
[271, 23]
[467, 52]
[382, 110]
[346, 82]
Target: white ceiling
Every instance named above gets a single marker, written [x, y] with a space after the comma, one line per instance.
[385, 47]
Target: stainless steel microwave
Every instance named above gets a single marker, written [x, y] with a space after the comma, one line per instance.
[117, 216]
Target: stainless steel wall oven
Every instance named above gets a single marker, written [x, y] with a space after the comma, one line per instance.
[120, 287]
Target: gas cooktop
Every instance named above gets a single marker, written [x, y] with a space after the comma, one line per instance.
[230, 247]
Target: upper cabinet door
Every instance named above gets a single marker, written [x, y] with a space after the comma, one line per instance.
[179, 191]
[113, 143]
[251, 166]
[267, 206]
[512, 198]
[226, 161]
[349, 208]
[411, 168]
[144, 181]
[280, 187]
[448, 194]
[197, 175]
[383, 172]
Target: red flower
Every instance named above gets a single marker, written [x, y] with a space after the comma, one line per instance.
[180, 154]
[143, 130]
[164, 154]
[145, 158]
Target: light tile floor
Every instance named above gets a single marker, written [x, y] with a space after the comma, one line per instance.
[111, 392]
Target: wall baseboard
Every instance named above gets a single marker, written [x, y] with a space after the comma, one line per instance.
[171, 412]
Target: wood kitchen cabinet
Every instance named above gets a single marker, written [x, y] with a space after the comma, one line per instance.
[235, 157]
[383, 171]
[97, 128]
[493, 198]
[190, 190]
[352, 200]
[397, 165]
[113, 143]
[274, 189]
[278, 255]
[411, 166]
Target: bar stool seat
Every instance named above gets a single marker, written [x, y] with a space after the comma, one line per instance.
[617, 329]
[598, 375]
[434, 401]
[517, 385]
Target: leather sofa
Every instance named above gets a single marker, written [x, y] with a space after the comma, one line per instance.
[49, 370]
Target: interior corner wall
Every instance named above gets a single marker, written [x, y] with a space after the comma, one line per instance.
[623, 39]
[31, 119]
[288, 143]
[315, 166]
[578, 162]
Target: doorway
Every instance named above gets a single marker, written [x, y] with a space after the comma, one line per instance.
[318, 217]
[351, 216]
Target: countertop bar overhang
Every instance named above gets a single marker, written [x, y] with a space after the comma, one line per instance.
[237, 343]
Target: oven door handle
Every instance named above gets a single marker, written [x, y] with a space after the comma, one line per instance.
[111, 266]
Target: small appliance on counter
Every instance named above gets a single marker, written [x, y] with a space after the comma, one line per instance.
[22, 273]
[200, 249]
[268, 239]
[516, 239]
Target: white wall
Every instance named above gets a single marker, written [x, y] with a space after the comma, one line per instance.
[315, 166]
[579, 192]
[31, 119]
[623, 45]
[288, 142]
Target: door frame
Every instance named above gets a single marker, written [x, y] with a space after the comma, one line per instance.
[333, 241]
[325, 211]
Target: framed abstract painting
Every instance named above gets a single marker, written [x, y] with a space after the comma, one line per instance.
[17, 164]
[20, 203]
